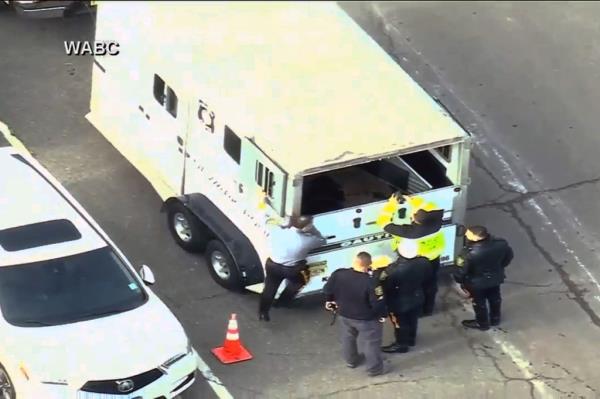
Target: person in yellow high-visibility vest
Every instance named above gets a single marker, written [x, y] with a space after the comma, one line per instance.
[426, 223]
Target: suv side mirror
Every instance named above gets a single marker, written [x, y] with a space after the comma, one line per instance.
[147, 275]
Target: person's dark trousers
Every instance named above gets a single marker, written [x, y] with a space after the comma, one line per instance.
[295, 281]
[275, 274]
[430, 288]
[406, 332]
[481, 299]
[370, 335]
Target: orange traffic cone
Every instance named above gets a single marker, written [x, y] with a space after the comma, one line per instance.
[232, 350]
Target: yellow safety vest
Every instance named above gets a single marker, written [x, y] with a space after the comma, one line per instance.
[430, 246]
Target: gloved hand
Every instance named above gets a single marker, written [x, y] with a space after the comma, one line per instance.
[262, 200]
[382, 319]
[330, 305]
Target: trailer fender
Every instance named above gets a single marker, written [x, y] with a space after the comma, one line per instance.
[241, 249]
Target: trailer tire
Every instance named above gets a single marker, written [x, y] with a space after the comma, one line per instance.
[187, 230]
[222, 266]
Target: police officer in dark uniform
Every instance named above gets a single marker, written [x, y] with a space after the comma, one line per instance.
[426, 224]
[402, 283]
[359, 301]
[481, 272]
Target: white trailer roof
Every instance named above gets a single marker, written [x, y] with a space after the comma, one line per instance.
[303, 79]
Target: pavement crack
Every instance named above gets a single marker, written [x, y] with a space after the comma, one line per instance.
[577, 293]
[288, 354]
[530, 285]
[484, 350]
[370, 386]
[555, 292]
[568, 373]
[481, 165]
[522, 197]
[203, 298]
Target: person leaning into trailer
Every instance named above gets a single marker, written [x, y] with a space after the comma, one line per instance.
[289, 245]
[424, 229]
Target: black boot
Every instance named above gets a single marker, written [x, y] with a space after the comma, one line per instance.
[475, 325]
[394, 348]
[398, 346]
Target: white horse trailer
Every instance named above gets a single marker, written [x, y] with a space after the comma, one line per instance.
[215, 102]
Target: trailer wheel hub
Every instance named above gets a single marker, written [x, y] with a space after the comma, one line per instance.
[220, 265]
[182, 227]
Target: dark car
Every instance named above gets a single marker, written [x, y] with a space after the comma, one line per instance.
[49, 8]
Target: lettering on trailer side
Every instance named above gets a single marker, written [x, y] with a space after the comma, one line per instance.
[353, 242]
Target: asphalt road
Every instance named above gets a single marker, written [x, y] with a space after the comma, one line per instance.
[519, 76]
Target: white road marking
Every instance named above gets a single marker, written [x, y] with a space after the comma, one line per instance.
[516, 356]
[216, 385]
[520, 361]
[12, 140]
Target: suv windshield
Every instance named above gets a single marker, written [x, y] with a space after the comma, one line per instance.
[67, 290]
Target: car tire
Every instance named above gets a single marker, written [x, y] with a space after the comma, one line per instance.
[6, 384]
[187, 230]
[222, 266]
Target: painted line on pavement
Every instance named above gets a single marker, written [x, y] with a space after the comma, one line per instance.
[516, 356]
[520, 361]
[216, 385]
[13, 140]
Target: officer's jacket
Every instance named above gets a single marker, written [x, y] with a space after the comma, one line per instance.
[402, 283]
[427, 233]
[358, 295]
[482, 263]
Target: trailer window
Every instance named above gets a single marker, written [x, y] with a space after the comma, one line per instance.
[232, 144]
[171, 102]
[265, 179]
[159, 89]
[425, 164]
[445, 152]
[269, 182]
[258, 173]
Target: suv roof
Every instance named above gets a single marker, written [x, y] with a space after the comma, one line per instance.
[38, 219]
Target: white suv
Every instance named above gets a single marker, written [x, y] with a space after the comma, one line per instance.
[76, 320]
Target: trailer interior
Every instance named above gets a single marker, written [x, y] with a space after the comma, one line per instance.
[377, 180]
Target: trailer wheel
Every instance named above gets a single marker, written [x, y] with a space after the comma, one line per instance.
[222, 267]
[189, 232]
